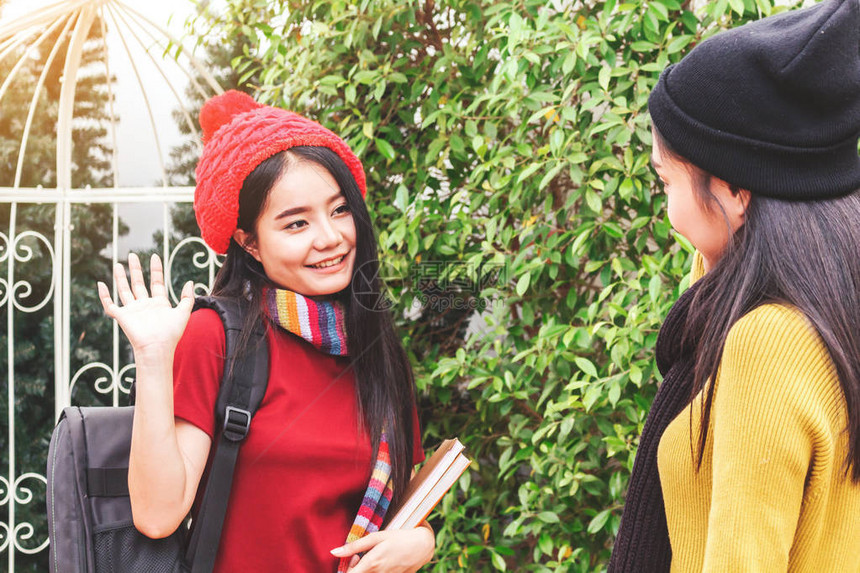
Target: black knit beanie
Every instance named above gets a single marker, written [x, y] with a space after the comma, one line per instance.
[772, 106]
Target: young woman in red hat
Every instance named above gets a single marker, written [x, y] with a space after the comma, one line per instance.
[283, 197]
[750, 457]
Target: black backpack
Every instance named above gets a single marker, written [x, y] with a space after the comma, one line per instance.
[89, 512]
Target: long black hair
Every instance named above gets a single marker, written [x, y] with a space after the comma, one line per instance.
[801, 253]
[384, 380]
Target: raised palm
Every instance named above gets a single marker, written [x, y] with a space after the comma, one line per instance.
[148, 319]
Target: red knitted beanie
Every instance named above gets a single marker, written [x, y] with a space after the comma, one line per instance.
[238, 135]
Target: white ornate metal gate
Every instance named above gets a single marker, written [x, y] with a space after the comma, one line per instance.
[110, 375]
[28, 254]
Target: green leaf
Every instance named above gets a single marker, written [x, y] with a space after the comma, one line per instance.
[433, 150]
[599, 520]
[569, 62]
[457, 144]
[603, 77]
[654, 286]
[528, 171]
[593, 201]
[523, 284]
[635, 374]
[401, 199]
[660, 9]
[614, 393]
[548, 517]
[516, 23]
[612, 229]
[678, 43]
[586, 365]
[641, 46]
[545, 543]
[379, 90]
[737, 6]
[365, 77]
[384, 148]
[592, 395]
[550, 175]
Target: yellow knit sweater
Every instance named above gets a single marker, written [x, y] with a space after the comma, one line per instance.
[772, 494]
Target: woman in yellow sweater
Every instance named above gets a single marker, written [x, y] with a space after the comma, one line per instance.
[750, 458]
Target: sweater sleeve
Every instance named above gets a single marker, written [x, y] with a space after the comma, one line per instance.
[772, 392]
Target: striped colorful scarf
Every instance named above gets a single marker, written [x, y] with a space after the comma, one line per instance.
[376, 500]
[322, 324]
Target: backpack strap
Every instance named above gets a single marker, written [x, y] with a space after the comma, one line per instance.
[242, 388]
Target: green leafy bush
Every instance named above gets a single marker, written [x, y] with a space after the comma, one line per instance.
[507, 148]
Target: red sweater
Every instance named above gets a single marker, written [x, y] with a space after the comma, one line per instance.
[304, 466]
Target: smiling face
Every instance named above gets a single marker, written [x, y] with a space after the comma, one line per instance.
[305, 235]
[704, 209]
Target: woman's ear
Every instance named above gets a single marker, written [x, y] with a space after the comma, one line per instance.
[733, 199]
[743, 195]
[247, 242]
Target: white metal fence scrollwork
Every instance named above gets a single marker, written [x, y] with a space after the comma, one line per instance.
[36, 271]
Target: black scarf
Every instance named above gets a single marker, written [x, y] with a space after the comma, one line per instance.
[642, 545]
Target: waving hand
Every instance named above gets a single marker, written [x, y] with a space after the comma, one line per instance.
[147, 318]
